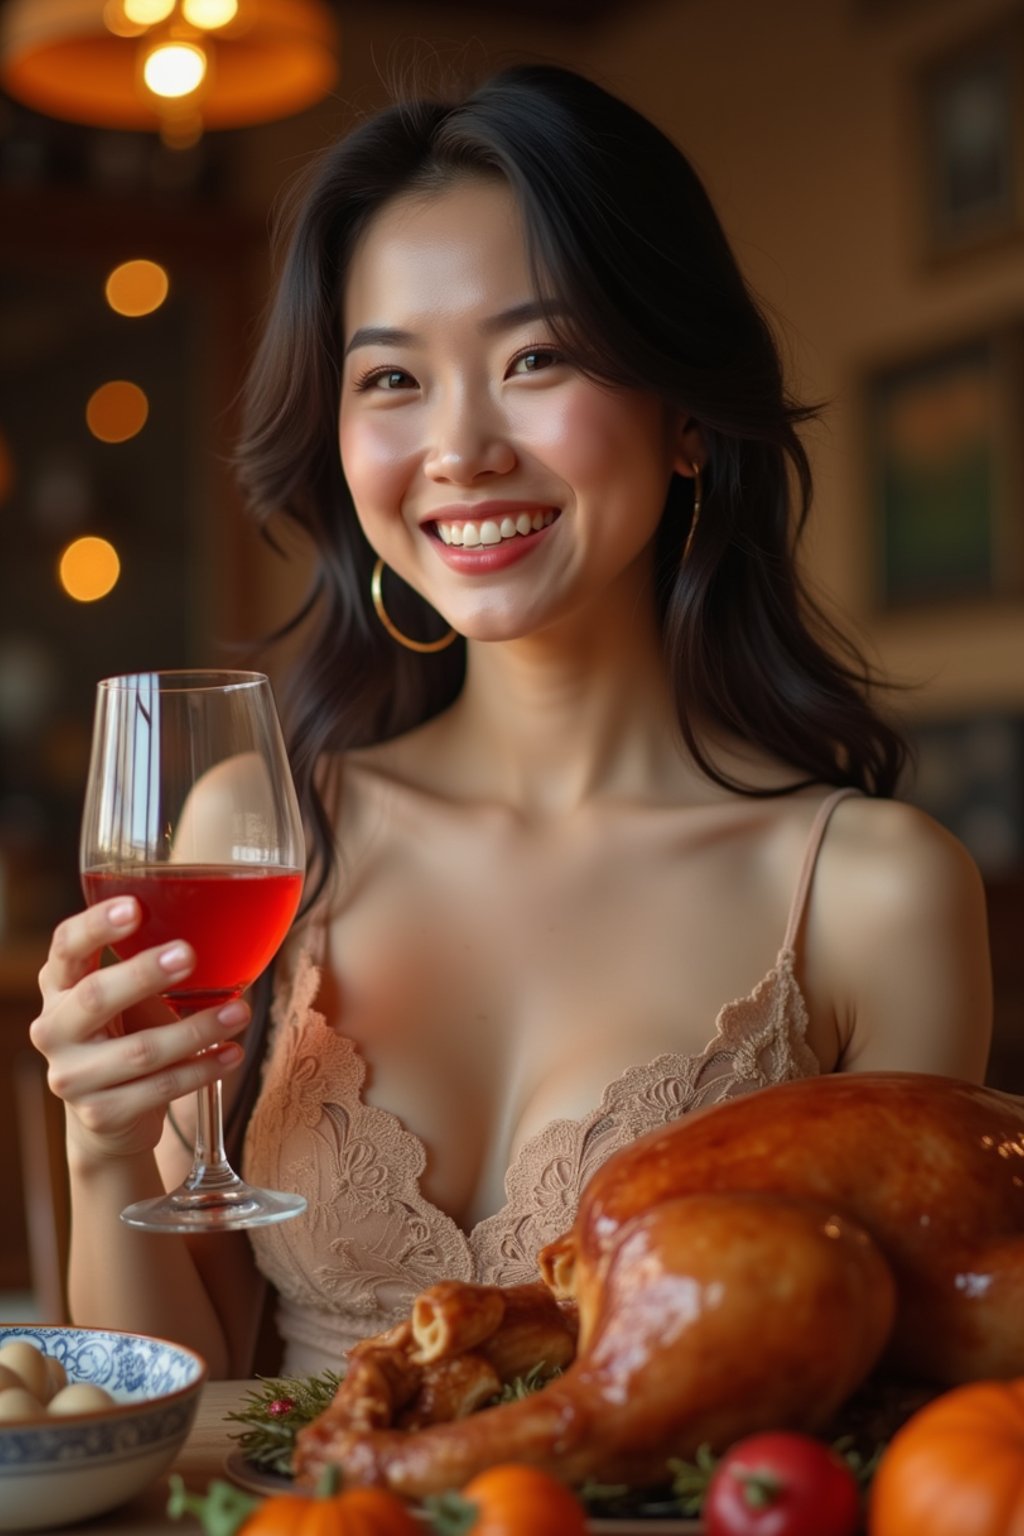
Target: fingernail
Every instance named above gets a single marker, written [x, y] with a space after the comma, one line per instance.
[175, 958]
[230, 1055]
[233, 1013]
[121, 913]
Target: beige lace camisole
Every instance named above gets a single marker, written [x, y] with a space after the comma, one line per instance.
[369, 1241]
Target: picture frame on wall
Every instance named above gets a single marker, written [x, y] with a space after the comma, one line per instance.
[971, 110]
[946, 473]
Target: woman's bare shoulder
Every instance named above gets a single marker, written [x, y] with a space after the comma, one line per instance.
[902, 914]
[896, 854]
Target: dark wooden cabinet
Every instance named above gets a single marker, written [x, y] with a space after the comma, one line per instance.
[1006, 935]
[19, 1004]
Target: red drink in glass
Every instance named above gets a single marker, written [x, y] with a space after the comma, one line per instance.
[233, 917]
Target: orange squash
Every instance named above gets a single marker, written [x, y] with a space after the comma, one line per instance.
[509, 1500]
[956, 1468]
[360, 1512]
[224, 1510]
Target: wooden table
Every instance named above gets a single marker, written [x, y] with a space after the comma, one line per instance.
[200, 1460]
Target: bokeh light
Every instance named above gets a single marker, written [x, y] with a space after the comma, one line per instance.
[29, 683]
[136, 287]
[115, 21]
[208, 14]
[146, 13]
[174, 70]
[116, 411]
[89, 569]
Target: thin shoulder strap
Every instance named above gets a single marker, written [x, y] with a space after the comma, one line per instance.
[813, 848]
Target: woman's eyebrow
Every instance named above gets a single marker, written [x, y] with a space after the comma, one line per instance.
[506, 320]
[379, 336]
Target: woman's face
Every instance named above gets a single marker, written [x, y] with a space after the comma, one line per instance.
[496, 479]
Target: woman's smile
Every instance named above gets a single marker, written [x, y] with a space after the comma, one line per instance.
[494, 525]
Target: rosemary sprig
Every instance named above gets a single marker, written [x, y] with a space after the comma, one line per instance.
[275, 1412]
[281, 1405]
[536, 1378]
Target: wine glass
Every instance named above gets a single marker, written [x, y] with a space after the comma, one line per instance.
[190, 808]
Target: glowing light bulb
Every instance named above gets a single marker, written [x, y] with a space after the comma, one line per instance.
[209, 14]
[146, 13]
[89, 569]
[174, 70]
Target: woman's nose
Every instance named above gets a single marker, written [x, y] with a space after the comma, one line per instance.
[466, 441]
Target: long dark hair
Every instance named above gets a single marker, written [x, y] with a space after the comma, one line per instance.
[622, 233]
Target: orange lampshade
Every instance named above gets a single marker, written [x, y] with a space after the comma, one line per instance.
[83, 60]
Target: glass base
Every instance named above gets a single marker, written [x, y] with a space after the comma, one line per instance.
[215, 1206]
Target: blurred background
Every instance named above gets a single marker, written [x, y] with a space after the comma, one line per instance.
[867, 159]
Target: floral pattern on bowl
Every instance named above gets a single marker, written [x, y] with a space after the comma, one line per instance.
[58, 1470]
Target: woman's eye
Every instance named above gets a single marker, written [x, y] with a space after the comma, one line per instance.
[386, 379]
[534, 360]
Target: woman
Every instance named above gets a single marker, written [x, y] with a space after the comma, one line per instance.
[577, 771]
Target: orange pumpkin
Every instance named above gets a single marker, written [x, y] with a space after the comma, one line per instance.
[361, 1512]
[510, 1500]
[224, 1510]
[956, 1468]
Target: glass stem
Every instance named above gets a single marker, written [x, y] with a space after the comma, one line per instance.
[210, 1166]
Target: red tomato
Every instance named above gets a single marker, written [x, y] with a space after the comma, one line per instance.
[781, 1484]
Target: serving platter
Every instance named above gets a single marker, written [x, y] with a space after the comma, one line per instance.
[255, 1480]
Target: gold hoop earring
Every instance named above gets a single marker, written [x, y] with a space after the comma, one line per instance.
[695, 519]
[424, 647]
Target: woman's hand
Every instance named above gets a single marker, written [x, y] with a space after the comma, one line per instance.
[112, 1058]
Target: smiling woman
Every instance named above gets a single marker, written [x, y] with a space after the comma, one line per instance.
[599, 809]
[460, 416]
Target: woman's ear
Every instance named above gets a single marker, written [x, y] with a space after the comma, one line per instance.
[690, 447]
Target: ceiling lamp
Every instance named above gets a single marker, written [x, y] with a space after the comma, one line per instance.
[170, 66]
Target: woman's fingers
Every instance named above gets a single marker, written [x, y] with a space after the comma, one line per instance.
[117, 1083]
[79, 940]
[109, 1111]
[81, 1070]
[83, 1009]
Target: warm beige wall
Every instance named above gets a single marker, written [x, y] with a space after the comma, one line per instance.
[799, 115]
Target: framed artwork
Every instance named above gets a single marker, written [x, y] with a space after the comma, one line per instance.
[972, 117]
[947, 484]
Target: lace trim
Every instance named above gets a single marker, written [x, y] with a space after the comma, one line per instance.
[759, 1039]
[370, 1240]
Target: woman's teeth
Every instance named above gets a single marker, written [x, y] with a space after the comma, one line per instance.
[493, 531]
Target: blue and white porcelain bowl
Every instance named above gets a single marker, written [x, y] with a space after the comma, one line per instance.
[58, 1470]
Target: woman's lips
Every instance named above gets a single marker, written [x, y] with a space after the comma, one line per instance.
[484, 544]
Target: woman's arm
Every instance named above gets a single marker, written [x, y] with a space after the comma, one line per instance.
[116, 1080]
[901, 916]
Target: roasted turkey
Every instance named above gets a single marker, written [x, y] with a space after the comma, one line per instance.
[743, 1268]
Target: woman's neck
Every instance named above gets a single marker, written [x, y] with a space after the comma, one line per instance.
[578, 712]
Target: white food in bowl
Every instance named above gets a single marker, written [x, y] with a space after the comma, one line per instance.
[60, 1468]
[79, 1397]
[20, 1406]
[28, 1363]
